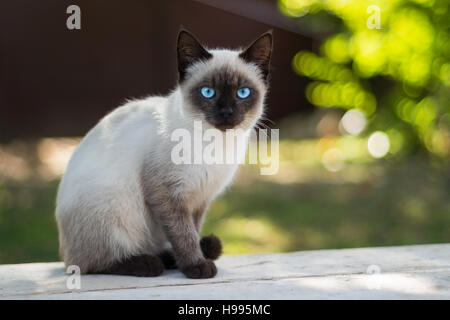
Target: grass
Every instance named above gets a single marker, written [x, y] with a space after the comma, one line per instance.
[406, 204]
[27, 226]
[303, 207]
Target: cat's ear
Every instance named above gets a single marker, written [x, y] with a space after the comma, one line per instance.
[259, 53]
[189, 50]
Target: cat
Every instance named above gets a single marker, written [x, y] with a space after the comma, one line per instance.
[123, 207]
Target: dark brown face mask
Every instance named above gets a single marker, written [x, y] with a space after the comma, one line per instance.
[225, 96]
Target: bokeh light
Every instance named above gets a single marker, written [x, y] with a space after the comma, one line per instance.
[333, 159]
[378, 144]
[55, 154]
[353, 122]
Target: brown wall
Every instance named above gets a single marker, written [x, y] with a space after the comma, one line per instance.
[59, 82]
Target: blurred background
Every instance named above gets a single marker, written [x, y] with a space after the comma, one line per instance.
[363, 111]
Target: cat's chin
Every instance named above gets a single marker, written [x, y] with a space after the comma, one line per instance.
[225, 127]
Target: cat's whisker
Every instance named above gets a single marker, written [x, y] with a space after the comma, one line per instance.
[263, 118]
[263, 125]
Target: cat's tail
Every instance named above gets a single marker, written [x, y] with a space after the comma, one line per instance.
[211, 247]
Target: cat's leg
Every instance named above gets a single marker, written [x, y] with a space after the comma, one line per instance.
[211, 245]
[94, 241]
[139, 266]
[187, 251]
[179, 227]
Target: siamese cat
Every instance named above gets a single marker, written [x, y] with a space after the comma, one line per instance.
[123, 207]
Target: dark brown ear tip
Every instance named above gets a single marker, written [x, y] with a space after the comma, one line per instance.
[183, 32]
[186, 35]
[183, 29]
[269, 35]
[266, 37]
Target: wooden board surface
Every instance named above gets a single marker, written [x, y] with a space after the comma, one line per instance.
[406, 272]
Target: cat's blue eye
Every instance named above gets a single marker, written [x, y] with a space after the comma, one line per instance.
[207, 92]
[243, 93]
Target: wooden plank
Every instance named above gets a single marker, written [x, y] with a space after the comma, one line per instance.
[411, 272]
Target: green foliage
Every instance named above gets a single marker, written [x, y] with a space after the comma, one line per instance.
[398, 75]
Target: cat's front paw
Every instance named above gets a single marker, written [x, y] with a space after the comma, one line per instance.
[203, 270]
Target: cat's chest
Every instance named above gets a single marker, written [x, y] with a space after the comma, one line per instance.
[204, 182]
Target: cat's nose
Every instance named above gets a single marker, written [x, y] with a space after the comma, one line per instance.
[226, 112]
